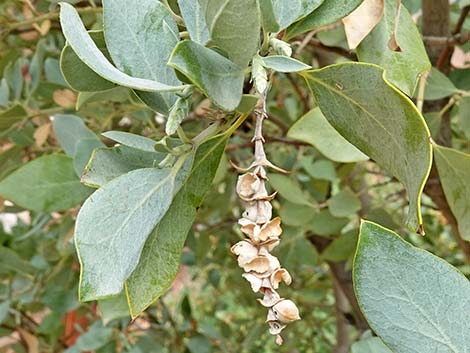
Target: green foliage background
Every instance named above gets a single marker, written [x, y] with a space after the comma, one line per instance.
[210, 307]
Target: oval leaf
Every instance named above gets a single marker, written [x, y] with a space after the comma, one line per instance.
[283, 63]
[46, 184]
[413, 300]
[114, 223]
[107, 164]
[454, 172]
[82, 44]
[131, 140]
[216, 76]
[234, 28]
[195, 20]
[380, 121]
[140, 40]
[287, 12]
[77, 74]
[314, 129]
[160, 260]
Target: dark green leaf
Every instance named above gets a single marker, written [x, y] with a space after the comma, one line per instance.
[324, 223]
[342, 248]
[464, 115]
[46, 184]
[380, 121]
[11, 261]
[412, 299]
[198, 344]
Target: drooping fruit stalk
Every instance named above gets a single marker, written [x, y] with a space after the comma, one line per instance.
[262, 269]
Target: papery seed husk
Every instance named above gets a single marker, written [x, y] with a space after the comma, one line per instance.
[271, 229]
[255, 281]
[279, 275]
[286, 311]
[248, 184]
[270, 298]
[259, 264]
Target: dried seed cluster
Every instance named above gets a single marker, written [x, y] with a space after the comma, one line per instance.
[262, 270]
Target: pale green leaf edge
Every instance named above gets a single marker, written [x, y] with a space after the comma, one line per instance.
[406, 98]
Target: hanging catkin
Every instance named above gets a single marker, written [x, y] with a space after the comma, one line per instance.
[262, 269]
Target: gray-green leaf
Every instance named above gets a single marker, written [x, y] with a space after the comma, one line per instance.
[403, 67]
[160, 260]
[113, 225]
[216, 76]
[415, 301]
[69, 129]
[290, 190]
[454, 172]
[234, 27]
[131, 140]
[77, 74]
[289, 11]
[45, 184]
[370, 345]
[315, 129]
[140, 40]
[380, 121]
[344, 203]
[283, 63]
[438, 86]
[107, 164]
[195, 20]
[82, 44]
[113, 308]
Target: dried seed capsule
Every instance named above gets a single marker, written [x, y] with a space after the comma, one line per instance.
[286, 311]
